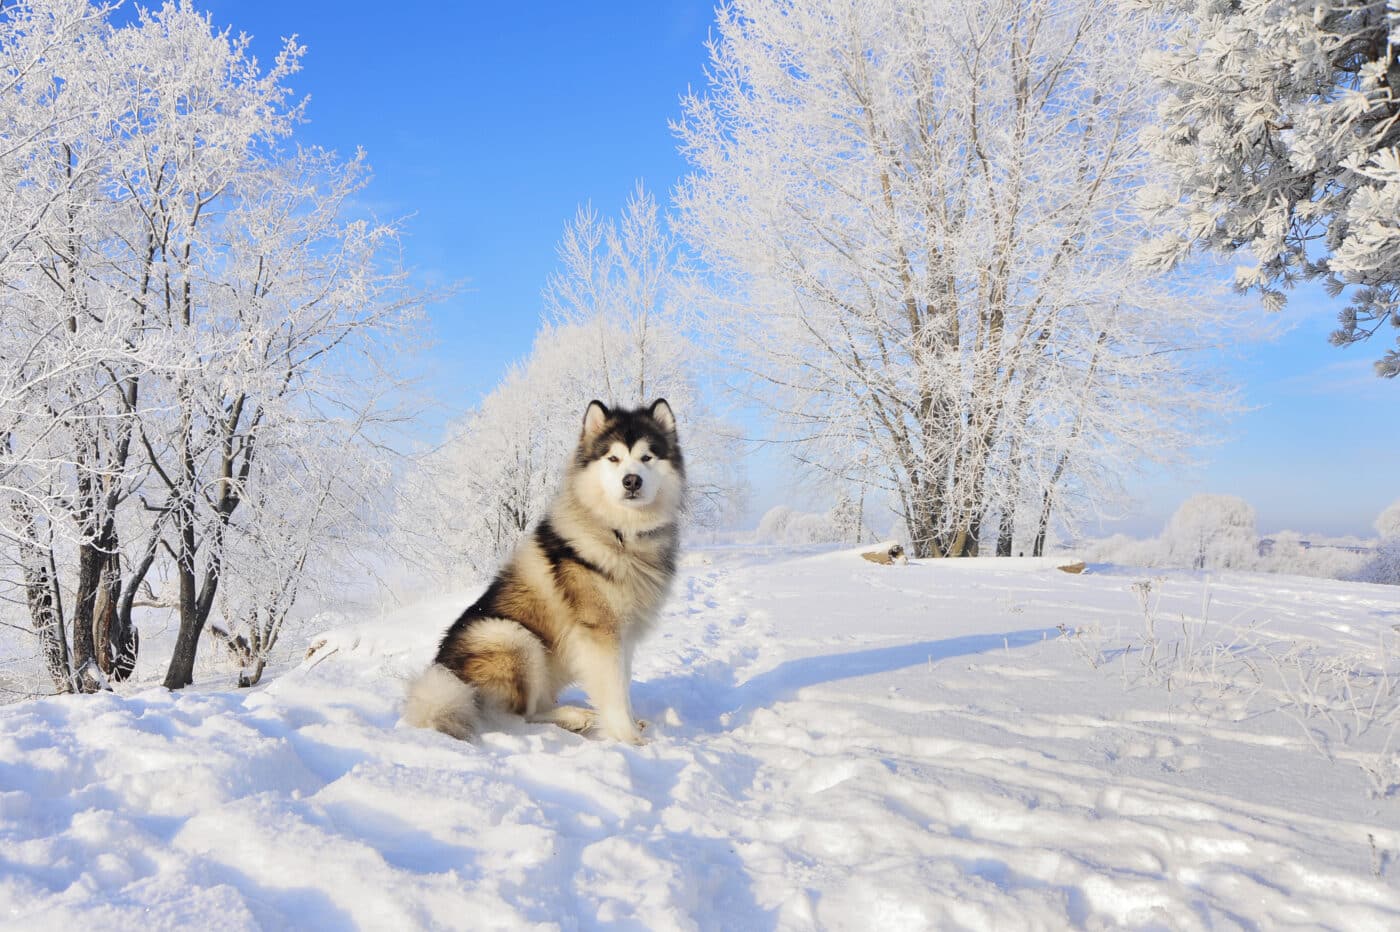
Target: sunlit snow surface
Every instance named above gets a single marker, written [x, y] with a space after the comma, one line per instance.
[834, 744]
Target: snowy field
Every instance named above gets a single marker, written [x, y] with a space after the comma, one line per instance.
[833, 744]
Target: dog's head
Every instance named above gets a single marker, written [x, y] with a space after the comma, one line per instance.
[628, 467]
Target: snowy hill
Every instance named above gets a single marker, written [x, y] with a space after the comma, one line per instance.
[834, 744]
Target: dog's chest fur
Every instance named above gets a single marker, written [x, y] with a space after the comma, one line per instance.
[620, 579]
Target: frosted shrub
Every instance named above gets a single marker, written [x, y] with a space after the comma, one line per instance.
[1388, 522]
[1211, 532]
[1290, 552]
[1384, 565]
[1125, 550]
[772, 527]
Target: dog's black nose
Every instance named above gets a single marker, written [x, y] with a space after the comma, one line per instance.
[631, 482]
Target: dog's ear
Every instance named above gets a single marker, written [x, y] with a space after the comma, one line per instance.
[595, 417]
[661, 413]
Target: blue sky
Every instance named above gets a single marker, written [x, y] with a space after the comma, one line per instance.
[491, 123]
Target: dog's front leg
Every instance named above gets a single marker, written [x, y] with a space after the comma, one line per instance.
[629, 648]
[604, 675]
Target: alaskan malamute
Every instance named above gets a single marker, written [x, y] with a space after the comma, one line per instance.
[577, 594]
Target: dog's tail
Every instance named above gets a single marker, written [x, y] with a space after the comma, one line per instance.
[438, 698]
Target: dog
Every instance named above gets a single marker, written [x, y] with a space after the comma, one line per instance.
[576, 595]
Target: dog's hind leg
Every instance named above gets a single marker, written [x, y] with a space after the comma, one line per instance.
[438, 698]
[507, 664]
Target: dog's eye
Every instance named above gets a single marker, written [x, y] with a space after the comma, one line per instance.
[613, 459]
[647, 458]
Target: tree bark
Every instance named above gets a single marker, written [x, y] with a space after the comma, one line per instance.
[129, 641]
[180, 673]
[117, 641]
[1042, 529]
[91, 560]
[45, 608]
[104, 614]
[922, 523]
[1006, 531]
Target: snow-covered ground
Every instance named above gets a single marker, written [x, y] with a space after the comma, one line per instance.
[834, 744]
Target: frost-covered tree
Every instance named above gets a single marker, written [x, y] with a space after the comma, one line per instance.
[1211, 532]
[617, 282]
[1383, 567]
[615, 336]
[913, 217]
[66, 384]
[265, 353]
[187, 299]
[847, 518]
[1282, 127]
[471, 499]
[310, 527]
[1304, 555]
[615, 277]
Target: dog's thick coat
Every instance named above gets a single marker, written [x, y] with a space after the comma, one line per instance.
[576, 595]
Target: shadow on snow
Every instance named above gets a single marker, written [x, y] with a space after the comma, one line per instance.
[705, 694]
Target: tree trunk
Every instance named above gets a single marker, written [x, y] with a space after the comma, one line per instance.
[962, 542]
[1006, 531]
[117, 641]
[104, 612]
[86, 665]
[1043, 528]
[921, 523]
[1006, 535]
[130, 640]
[972, 544]
[45, 609]
[180, 673]
[196, 600]
[250, 676]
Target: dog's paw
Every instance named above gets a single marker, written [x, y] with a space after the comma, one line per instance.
[634, 738]
[623, 734]
[571, 717]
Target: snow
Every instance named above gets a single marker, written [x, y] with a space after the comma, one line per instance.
[833, 744]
